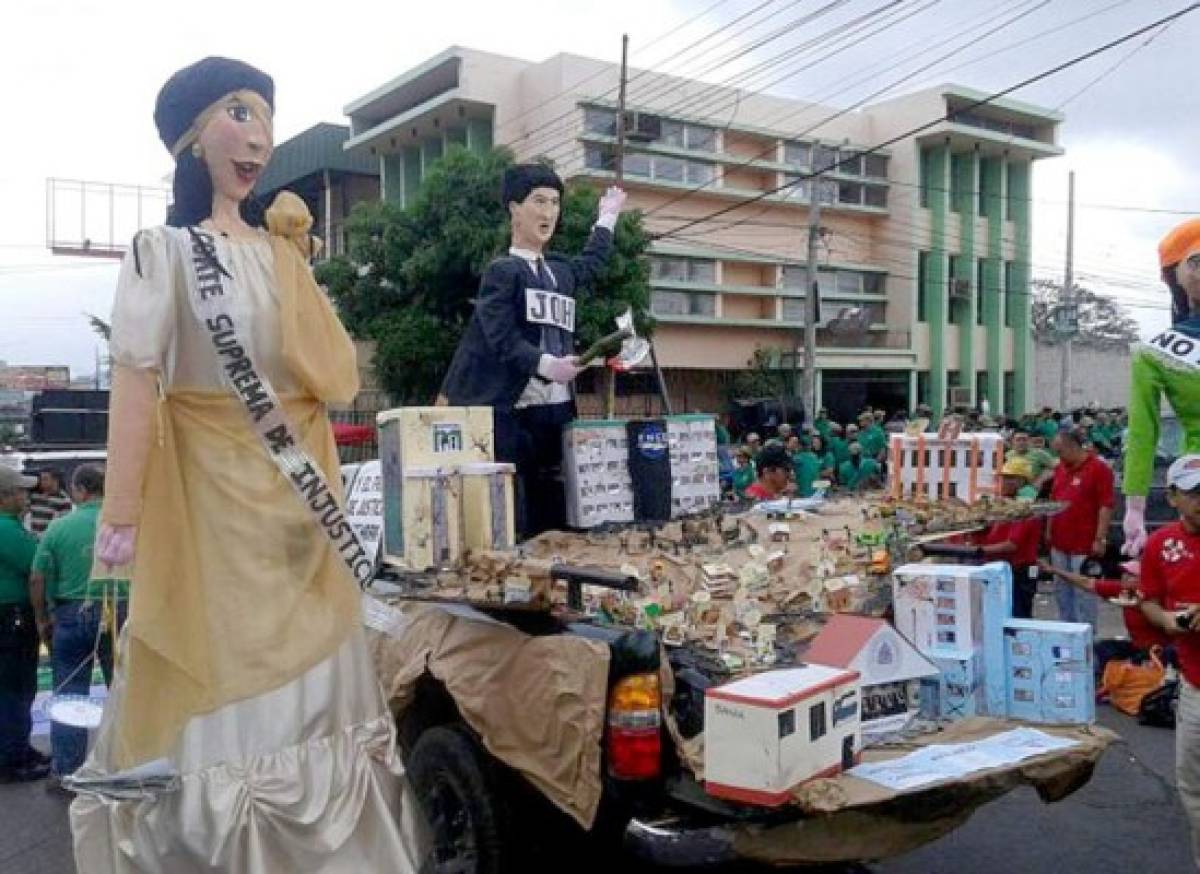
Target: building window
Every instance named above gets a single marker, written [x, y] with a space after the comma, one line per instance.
[1008, 192]
[672, 133]
[1007, 300]
[682, 303]
[876, 166]
[957, 293]
[985, 196]
[699, 173]
[873, 283]
[922, 386]
[600, 121]
[834, 282]
[794, 309]
[875, 195]
[700, 270]
[824, 158]
[669, 169]
[922, 287]
[637, 164]
[797, 154]
[957, 163]
[701, 138]
[1010, 392]
[925, 175]
[816, 721]
[981, 390]
[600, 158]
[850, 163]
[980, 291]
[661, 168]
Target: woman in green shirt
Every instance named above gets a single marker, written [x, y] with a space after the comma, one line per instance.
[743, 472]
[826, 463]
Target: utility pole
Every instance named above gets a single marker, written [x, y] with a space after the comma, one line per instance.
[1068, 317]
[610, 399]
[811, 291]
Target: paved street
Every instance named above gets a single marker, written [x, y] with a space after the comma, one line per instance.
[1127, 818]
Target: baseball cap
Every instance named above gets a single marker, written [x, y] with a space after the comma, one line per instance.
[1184, 473]
[11, 478]
[1018, 467]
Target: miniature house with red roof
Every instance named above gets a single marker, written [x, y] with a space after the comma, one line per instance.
[891, 669]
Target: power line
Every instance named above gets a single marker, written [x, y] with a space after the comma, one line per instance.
[973, 105]
[1018, 16]
[1120, 63]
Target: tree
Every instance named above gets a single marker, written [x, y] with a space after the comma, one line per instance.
[411, 276]
[1102, 320]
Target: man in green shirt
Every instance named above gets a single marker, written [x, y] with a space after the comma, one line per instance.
[871, 436]
[806, 467]
[839, 445]
[857, 471]
[19, 762]
[1041, 462]
[86, 613]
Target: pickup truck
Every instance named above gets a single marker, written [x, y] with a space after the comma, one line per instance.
[485, 817]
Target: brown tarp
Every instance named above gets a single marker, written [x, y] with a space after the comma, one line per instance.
[537, 703]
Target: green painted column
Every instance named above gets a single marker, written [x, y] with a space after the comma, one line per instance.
[968, 165]
[479, 135]
[412, 173]
[993, 326]
[391, 171]
[935, 275]
[1019, 295]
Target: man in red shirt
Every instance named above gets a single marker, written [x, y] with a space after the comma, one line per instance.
[1085, 484]
[1016, 542]
[1171, 601]
[774, 471]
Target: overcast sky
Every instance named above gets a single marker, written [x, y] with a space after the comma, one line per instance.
[80, 79]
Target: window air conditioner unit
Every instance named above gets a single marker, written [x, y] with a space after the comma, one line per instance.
[958, 396]
[641, 127]
[960, 289]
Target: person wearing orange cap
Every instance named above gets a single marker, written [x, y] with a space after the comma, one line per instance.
[1168, 364]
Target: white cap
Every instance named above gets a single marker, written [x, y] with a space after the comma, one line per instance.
[10, 478]
[1184, 473]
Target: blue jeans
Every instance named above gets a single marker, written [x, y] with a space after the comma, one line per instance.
[1074, 605]
[76, 625]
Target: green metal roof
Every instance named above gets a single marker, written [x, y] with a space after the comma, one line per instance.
[315, 150]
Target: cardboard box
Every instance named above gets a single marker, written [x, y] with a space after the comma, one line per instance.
[768, 733]
[957, 612]
[419, 450]
[966, 468]
[957, 692]
[487, 506]
[1048, 672]
[595, 470]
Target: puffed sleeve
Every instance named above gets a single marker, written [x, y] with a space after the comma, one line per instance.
[143, 316]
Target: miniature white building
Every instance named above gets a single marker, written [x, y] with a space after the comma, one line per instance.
[890, 668]
[766, 734]
[966, 467]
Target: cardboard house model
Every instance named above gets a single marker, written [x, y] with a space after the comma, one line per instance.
[766, 734]
[890, 668]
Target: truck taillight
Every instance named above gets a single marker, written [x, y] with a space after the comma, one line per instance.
[634, 742]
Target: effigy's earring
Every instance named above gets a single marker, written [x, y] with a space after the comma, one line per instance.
[197, 151]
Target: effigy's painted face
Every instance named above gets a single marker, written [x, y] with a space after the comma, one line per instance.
[237, 144]
[535, 218]
[1187, 273]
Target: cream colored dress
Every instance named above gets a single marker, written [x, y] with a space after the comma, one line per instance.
[243, 668]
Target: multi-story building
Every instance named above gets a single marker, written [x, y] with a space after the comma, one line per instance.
[924, 262]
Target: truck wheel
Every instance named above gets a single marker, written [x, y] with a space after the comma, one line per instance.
[454, 782]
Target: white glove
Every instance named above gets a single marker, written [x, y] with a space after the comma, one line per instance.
[114, 544]
[610, 207]
[1134, 525]
[561, 370]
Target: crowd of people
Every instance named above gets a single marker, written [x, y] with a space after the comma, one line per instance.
[854, 455]
[48, 597]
